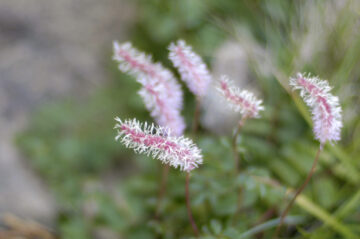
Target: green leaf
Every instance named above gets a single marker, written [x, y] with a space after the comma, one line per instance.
[324, 216]
[216, 226]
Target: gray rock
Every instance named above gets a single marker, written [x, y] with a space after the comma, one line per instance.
[48, 50]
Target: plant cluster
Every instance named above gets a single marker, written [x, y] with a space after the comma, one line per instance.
[103, 189]
[181, 152]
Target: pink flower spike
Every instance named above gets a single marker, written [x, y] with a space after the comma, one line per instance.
[164, 110]
[158, 142]
[241, 101]
[161, 92]
[192, 69]
[326, 111]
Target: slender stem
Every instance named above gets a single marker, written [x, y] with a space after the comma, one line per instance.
[187, 196]
[267, 215]
[234, 148]
[287, 209]
[195, 123]
[234, 143]
[237, 162]
[162, 191]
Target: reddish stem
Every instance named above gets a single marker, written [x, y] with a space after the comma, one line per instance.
[307, 180]
[187, 196]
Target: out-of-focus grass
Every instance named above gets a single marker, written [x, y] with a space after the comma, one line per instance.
[72, 144]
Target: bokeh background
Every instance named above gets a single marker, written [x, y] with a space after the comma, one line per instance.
[62, 175]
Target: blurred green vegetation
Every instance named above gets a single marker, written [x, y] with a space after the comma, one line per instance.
[99, 184]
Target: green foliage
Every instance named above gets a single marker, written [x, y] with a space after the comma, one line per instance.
[99, 184]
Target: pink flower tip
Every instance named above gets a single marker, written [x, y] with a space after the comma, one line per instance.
[326, 111]
[138, 64]
[158, 142]
[191, 67]
[241, 101]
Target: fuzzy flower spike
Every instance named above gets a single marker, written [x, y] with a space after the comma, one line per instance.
[241, 101]
[326, 115]
[161, 93]
[326, 111]
[159, 143]
[192, 69]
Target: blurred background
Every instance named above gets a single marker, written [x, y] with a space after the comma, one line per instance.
[62, 175]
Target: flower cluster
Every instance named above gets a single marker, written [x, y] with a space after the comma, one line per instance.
[159, 143]
[161, 92]
[241, 101]
[326, 112]
[192, 69]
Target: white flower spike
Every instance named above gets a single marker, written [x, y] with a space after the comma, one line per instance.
[158, 142]
[241, 101]
[161, 93]
[191, 67]
[326, 111]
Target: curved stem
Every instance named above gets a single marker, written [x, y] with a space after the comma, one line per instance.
[162, 191]
[287, 209]
[188, 206]
[195, 123]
